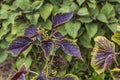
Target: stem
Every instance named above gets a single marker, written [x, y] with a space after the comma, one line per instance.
[103, 76]
[115, 61]
[33, 72]
[117, 53]
[52, 59]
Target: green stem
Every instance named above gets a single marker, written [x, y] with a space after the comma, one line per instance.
[103, 76]
[33, 72]
[115, 61]
[117, 53]
[52, 59]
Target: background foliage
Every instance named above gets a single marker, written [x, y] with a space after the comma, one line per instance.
[91, 18]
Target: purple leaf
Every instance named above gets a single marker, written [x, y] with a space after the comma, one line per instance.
[60, 19]
[58, 35]
[102, 54]
[69, 48]
[20, 44]
[56, 48]
[31, 31]
[47, 46]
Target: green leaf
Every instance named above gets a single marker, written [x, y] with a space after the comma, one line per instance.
[100, 32]
[13, 16]
[3, 56]
[46, 10]
[3, 44]
[92, 4]
[101, 17]
[85, 41]
[3, 32]
[21, 4]
[3, 11]
[112, 27]
[37, 4]
[82, 29]
[107, 9]
[92, 29]
[94, 12]
[72, 28]
[74, 6]
[47, 24]
[68, 58]
[33, 18]
[116, 36]
[80, 2]
[83, 11]
[64, 9]
[85, 19]
[62, 30]
[27, 51]
[24, 61]
[10, 37]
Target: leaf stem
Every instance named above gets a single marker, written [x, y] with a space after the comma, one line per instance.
[33, 72]
[117, 53]
[116, 61]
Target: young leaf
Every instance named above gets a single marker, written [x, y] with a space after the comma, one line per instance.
[47, 46]
[20, 44]
[69, 48]
[31, 31]
[60, 19]
[102, 54]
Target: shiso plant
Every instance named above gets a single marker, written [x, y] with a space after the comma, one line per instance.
[49, 42]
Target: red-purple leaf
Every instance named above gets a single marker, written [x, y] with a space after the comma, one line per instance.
[47, 46]
[20, 44]
[18, 75]
[60, 19]
[70, 48]
[58, 35]
[31, 31]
